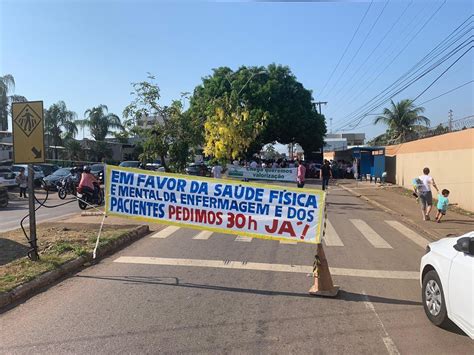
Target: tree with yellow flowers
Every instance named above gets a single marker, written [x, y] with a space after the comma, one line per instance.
[230, 130]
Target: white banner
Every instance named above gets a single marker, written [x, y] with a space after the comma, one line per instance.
[278, 174]
[229, 207]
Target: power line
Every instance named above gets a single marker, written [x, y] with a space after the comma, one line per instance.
[394, 58]
[444, 72]
[447, 92]
[360, 118]
[347, 47]
[403, 79]
[360, 47]
[375, 48]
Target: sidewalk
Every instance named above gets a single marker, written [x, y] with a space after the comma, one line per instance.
[396, 201]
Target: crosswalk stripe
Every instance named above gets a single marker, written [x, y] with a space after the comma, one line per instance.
[331, 238]
[164, 233]
[407, 232]
[241, 238]
[204, 235]
[292, 242]
[372, 237]
[240, 265]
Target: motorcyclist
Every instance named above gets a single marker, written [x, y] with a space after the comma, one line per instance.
[89, 183]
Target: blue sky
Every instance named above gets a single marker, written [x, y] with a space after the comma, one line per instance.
[88, 52]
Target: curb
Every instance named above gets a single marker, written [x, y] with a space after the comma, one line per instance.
[88, 214]
[406, 220]
[28, 289]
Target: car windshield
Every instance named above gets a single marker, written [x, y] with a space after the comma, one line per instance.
[62, 172]
[130, 164]
[37, 168]
[97, 167]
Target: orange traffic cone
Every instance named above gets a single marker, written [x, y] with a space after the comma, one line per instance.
[323, 285]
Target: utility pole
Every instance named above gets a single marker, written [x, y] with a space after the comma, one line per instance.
[33, 254]
[450, 121]
[319, 103]
[330, 125]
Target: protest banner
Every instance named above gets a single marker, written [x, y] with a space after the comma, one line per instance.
[255, 210]
[277, 174]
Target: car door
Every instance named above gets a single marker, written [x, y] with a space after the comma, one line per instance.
[461, 291]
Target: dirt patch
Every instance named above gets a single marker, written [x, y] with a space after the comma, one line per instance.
[57, 244]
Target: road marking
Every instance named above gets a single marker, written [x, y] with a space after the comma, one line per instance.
[164, 233]
[204, 235]
[292, 242]
[407, 232]
[387, 340]
[302, 269]
[241, 238]
[331, 238]
[373, 238]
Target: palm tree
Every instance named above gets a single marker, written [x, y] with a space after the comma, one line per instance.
[403, 120]
[100, 122]
[59, 124]
[7, 84]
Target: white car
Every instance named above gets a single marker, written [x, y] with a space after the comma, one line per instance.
[447, 281]
[39, 175]
[7, 177]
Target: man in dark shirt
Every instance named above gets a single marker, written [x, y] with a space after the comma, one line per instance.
[326, 174]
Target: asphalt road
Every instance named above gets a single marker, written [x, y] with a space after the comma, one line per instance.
[180, 293]
[18, 208]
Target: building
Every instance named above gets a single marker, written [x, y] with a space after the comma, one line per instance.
[150, 121]
[342, 141]
[6, 146]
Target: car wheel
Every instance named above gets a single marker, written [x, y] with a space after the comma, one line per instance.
[433, 299]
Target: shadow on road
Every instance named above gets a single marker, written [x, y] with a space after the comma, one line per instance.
[174, 281]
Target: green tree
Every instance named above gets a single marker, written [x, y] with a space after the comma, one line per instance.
[74, 149]
[403, 120]
[100, 150]
[7, 84]
[100, 122]
[59, 124]
[171, 137]
[273, 98]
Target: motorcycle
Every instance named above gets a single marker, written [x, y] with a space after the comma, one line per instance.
[66, 186]
[86, 198]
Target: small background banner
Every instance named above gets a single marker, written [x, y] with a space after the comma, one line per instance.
[255, 210]
[279, 174]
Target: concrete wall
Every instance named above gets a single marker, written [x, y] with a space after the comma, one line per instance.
[450, 158]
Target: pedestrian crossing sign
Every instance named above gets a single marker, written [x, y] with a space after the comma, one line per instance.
[28, 132]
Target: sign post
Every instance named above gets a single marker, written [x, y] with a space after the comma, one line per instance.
[28, 148]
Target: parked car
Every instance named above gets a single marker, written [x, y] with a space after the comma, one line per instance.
[131, 164]
[39, 175]
[198, 169]
[50, 182]
[446, 277]
[99, 171]
[48, 169]
[7, 177]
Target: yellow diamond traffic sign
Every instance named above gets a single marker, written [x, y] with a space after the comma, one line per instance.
[28, 132]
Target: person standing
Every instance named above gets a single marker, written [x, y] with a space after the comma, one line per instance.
[424, 193]
[301, 174]
[326, 174]
[22, 181]
[442, 205]
[217, 170]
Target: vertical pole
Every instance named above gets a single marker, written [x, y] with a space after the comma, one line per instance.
[450, 121]
[31, 199]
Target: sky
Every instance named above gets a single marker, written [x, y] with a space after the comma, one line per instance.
[88, 53]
